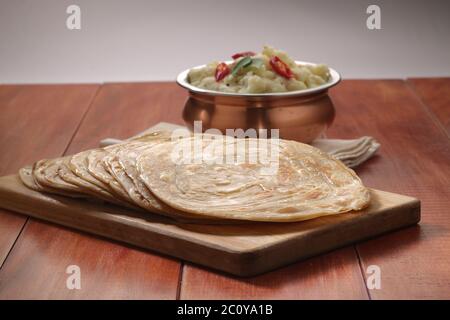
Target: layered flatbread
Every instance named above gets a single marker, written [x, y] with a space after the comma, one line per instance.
[303, 183]
[206, 178]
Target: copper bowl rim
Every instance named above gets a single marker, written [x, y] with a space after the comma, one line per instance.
[335, 78]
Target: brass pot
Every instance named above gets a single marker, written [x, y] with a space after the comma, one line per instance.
[299, 115]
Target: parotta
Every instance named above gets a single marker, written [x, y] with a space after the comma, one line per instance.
[305, 182]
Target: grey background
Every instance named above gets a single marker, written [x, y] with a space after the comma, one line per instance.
[154, 40]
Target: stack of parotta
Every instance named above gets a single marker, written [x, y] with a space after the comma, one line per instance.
[206, 177]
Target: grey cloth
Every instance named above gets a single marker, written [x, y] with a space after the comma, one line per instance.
[352, 152]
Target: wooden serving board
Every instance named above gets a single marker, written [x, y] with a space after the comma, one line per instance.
[244, 250]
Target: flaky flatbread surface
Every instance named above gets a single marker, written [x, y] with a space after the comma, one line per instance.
[28, 177]
[86, 186]
[46, 174]
[124, 170]
[307, 183]
[155, 173]
[97, 168]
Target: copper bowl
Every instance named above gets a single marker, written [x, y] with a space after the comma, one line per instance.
[299, 115]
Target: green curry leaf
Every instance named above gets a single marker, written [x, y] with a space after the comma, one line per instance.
[244, 62]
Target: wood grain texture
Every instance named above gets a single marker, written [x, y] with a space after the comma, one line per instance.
[11, 224]
[435, 94]
[335, 275]
[37, 268]
[119, 111]
[123, 110]
[30, 117]
[244, 249]
[414, 159]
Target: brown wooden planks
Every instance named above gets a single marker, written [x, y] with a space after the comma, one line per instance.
[37, 268]
[435, 93]
[114, 270]
[30, 117]
[414, 159]
[122, 110]
[244, 249]
[335, 275]
[10, 227]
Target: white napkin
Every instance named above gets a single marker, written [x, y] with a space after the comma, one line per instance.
[352, 152]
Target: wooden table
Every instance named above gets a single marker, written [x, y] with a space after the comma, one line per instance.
[411, 119]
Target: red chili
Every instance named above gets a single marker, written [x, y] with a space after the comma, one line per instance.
[222, 71]
[280, 67]
[243, 54]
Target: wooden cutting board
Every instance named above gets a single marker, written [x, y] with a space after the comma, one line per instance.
[244, 250]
